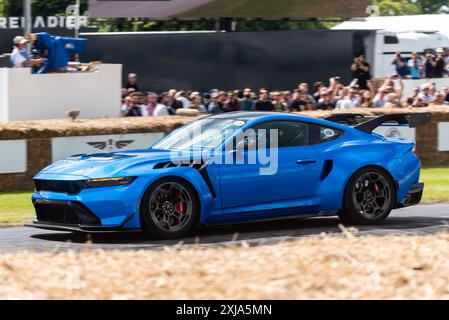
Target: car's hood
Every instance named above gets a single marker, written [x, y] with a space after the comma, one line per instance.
[103, 165]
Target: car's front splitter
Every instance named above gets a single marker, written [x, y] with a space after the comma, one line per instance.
[79, 228]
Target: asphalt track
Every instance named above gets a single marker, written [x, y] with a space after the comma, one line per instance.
[423, 219]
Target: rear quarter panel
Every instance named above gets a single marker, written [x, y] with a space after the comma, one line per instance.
[352, 153]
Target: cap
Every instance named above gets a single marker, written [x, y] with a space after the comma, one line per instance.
[19, 40]
[440, 50]
[425, 86]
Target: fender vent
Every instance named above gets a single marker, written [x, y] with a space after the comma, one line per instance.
[200, 165]
[327, 168]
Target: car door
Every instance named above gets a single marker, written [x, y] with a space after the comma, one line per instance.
[293, 183]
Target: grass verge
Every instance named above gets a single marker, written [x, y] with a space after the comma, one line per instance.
[15, 208]
[436, 187]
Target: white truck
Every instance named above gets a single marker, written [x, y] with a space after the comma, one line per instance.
[382, 37]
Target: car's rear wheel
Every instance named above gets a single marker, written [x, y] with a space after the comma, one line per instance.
[369, 197]
[169, 209]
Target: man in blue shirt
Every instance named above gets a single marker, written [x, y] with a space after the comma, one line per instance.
[400, 64]
[415, 66]
[19, 55]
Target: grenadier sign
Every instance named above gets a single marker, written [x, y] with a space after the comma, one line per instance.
[42, 22]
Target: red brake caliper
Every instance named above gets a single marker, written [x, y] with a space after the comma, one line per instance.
[377, 188]
[180, 206]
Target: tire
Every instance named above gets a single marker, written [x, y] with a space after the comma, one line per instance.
[369, 197]
[169, 209]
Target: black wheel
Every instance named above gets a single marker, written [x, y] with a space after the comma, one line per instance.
[169, 209]
[369, 197]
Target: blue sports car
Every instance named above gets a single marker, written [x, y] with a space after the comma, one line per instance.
[234, 168]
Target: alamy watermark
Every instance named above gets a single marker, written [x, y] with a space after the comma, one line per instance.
[250, 147]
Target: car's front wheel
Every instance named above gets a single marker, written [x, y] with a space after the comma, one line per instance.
[369, 197]
[169, 209]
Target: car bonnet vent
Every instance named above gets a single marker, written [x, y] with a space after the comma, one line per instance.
[196, 164]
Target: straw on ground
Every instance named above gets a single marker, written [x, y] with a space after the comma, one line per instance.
[346, 267]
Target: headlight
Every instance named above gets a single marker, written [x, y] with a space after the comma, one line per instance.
[108, 182]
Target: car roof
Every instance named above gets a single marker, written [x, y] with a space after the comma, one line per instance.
[256, 116]
[243, 115]
[252, 115]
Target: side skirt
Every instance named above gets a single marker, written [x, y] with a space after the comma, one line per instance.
[232, 220]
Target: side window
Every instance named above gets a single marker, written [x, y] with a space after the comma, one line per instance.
[289, 133]
[391, 40]
[320, 134]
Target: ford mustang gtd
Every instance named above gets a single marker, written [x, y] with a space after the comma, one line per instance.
[212, 171]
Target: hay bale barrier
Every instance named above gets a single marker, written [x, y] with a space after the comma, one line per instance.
[41, 129]
[343, 267]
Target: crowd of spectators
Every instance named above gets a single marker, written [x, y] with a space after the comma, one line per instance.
[323, 96]
[428, 65]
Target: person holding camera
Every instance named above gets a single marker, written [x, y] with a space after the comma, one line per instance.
[439, 64]
[20, 57]
[429, 66]
[400, 64]
[415, 66]
[361, 70]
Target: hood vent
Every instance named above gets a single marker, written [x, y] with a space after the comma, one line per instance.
[196, 164]
[98, 156]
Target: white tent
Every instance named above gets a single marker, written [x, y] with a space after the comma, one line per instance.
[419, 23]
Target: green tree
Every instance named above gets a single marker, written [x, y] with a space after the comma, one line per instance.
[408, 7]
[58, 7]
[39, 8]
[397, 7]
[431, 6]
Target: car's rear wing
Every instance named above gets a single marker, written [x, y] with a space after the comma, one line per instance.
[345, 118]
[413, 120]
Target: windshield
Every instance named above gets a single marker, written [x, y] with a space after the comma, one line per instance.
[202, 134]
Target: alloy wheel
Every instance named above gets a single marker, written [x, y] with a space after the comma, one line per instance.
[171, 207]
[371, 194]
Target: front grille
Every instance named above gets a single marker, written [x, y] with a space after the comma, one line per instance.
[64, 212]
[70, 187]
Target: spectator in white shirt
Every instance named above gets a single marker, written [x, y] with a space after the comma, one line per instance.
[139, 102]
[392, 101]
[127, 104]
[181, 96]
[350, 101]
[379, 98]
[197, 102]
[425, 94]
[19, 55]
[161, 107]
[143, 105]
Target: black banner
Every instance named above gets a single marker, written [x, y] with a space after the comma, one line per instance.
[227, 61]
